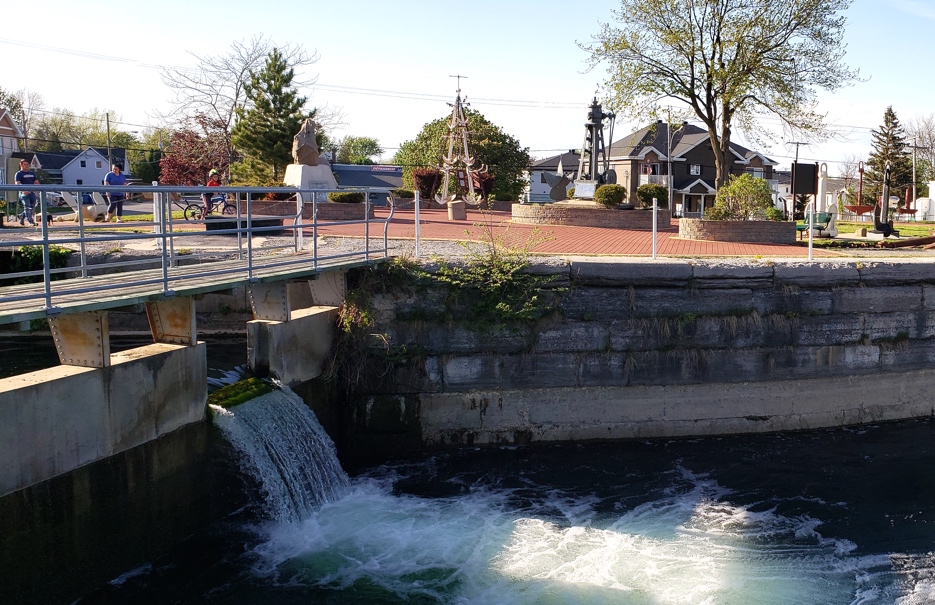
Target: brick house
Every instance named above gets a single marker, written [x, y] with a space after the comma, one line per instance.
[644, 157]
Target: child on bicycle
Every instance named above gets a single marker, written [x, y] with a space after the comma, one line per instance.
[214, 180]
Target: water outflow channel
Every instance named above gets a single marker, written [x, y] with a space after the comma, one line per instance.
[836, 516]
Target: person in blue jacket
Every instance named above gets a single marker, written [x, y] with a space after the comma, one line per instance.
[25, 176]
[115, 178]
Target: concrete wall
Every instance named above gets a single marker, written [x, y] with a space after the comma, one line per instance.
[664, 348]
[56, 420]
[293, 351]
[762, 232]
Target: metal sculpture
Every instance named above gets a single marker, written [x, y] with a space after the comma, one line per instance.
[880, 217]
[459, 162]
[594, 165]
[558, 182]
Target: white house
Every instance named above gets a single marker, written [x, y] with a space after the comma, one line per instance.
[89, 167]
[9, 133]
[538, 188]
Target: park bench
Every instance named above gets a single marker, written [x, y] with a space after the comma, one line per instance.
[820, 221]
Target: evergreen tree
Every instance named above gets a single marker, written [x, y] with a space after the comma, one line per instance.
[273, 115]
[889, 145]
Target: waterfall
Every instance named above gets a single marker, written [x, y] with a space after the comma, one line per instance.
[287, 451]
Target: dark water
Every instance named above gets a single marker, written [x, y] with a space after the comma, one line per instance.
[837, 516]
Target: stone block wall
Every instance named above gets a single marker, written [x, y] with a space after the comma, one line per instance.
[759, 232]
[772, 346]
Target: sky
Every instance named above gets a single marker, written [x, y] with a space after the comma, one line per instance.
[386, 67]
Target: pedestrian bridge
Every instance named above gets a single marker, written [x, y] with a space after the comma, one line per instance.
[97, 404]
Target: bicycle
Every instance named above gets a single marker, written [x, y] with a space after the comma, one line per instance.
[196, 211]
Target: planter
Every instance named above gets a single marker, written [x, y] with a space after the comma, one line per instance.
[336, 211]
[588, 214]
[754, 232]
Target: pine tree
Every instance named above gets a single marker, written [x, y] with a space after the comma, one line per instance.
[273, 115]
[889, 145]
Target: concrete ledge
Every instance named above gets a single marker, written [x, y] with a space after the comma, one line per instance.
[756, 232]
[572, 414]
[56, 420]
[293, 351]
[587, 214]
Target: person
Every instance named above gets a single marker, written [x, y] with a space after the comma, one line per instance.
[115, 198]
[25, 176]
[214, 180]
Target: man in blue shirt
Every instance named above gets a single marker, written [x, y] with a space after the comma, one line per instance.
[115, 198]
[25, 176]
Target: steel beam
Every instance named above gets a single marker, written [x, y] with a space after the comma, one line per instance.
[82, 339]
[329, 289]
[172, 321]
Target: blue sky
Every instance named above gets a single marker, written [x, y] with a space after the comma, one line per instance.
[386, 66]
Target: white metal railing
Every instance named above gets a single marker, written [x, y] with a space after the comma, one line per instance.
[172, 239]
[655, 179]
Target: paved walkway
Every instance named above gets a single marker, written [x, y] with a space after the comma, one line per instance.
[563, 239]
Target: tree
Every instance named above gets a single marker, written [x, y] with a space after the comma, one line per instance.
[193, 151]
[922, 133]
[742, 198]
[274, 115]
[357, 150]
[889, 145]
[730, 61]
[216, 88]
[500, 152]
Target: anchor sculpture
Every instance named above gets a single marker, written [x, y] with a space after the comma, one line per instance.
[559, 182]
[459, 162]
[880, 216]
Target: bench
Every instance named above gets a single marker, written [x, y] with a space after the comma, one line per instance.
[820, 221]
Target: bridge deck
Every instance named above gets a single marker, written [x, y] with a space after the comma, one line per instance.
[113, 290]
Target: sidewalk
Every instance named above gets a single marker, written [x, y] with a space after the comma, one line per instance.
[563, 239]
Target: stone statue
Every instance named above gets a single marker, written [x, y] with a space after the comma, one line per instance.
[304, 148]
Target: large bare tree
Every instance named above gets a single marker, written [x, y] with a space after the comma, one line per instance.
[921, 133]
[730, 61]
[215, 88]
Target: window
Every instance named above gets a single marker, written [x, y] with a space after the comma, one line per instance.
[99, 164]
[84, 164]
[757, 172]
[79, 182]
[694, 169]
[649, 168]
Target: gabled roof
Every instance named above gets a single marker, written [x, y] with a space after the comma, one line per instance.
[90, 151]
[8, 126]
[685, 137]
[569, 162]
[57, 160]
[686, 185]
[373, 175]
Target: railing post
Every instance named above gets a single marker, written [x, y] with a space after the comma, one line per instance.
[81, 245]
[165, 208]
[249, 235]
[417, 222]
[315, 229]
[367, 225]
[810, 221]
[655, 225]
[239, 232]
[46, 268]
[298, 224]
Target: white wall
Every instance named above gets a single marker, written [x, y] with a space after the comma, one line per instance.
[92, 173]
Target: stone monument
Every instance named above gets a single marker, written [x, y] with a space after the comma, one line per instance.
[309, 169]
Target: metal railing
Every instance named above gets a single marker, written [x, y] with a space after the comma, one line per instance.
[260, 241]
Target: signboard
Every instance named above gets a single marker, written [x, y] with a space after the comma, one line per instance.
[805, 178]
[585, 189]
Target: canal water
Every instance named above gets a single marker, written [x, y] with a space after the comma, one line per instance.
[842, 516]
[831, 517]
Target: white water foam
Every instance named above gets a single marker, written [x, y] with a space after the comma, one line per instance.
[691, 546]
[287, 451]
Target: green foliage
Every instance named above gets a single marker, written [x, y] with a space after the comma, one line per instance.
[29, 258]
[741, 199]
[889, 145]
[357, 150]
[647, 192]
[571, 193]
[406, 194]
[239, 392]
[774, 214]
[346, 197]
[490, 146]
[265, 129]
[610, 196]
[729, 60]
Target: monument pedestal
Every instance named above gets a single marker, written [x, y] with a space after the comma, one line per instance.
[457, 211]
[310, 177]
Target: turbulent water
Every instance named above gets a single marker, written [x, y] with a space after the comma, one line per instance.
[836, 517]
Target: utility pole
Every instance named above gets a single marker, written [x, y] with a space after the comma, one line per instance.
[792, 184]
[914, 147]
[110, 159]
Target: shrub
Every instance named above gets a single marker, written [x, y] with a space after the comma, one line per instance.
[405, 194]
[427, 181]
[610, 196]
[346, 197]
[774, 214]
[647, 192]
[504, 197]
[741, 199]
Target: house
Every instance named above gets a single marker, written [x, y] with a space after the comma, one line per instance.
[538, 188]
[76, 167]
[646, 155]
[10, 132]
[369, 175]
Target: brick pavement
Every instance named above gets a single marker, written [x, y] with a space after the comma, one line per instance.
[563, 239]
